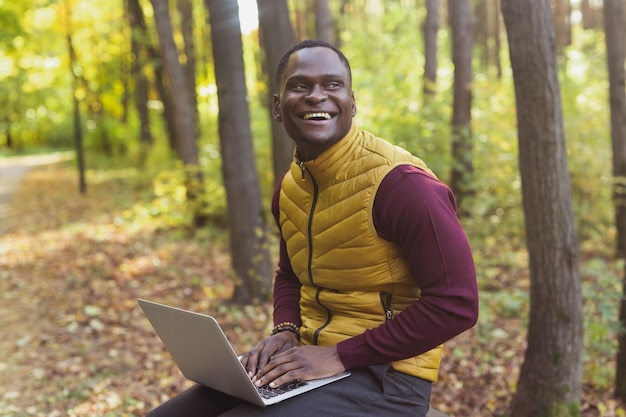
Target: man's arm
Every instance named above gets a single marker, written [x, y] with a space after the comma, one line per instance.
[418, 213]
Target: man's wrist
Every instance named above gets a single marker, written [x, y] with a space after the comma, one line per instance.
[286, 326]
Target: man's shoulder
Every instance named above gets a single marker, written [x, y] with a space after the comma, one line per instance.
[408, 175]
[393, 154]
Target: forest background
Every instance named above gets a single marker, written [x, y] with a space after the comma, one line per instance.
[78, 250]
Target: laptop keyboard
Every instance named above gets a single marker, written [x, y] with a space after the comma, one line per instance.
[267, 392]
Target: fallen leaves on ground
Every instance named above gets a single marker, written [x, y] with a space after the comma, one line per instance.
[76, 343]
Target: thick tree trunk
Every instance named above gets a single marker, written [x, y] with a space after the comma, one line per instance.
[248, 234]
[550, 380]
[277, 37]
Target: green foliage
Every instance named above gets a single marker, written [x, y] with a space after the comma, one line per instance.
[169, 206]
[512, 304]
[11, 26]
[586, 121]
[388, 85]
[497, 220]
[602, 294]
[565, 410]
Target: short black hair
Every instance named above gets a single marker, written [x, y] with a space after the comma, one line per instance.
[309, 43]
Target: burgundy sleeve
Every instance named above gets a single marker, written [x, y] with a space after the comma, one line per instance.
[418, 213]
[286, 284]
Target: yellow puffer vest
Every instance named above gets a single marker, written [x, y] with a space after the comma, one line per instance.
[352, 280]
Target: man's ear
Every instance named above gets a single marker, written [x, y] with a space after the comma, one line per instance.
[276, 114]
[353, 105]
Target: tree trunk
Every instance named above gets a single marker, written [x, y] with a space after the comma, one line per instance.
[462, 147]
[590, 15]
[78, 131]
[277, 37]
[562, 24]
[302, 9]
[185, 8]
[248, 239]
[153, 58]
[9, 137]
[324, 21]
[620, 374]
[614, 36]
[340, 18]
[165, 95]
[481, 32]
[138, 48]
[497, 42]
[550, 380]
[183, 114]
[186, 133]
[430, 29]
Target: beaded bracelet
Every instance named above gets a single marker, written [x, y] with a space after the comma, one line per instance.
[286, 326]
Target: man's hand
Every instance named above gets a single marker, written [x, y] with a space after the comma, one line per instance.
[260, 355]
[299, 363]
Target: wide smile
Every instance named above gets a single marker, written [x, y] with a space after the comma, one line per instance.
[318, 116]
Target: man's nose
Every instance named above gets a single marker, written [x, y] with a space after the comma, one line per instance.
[317, 94]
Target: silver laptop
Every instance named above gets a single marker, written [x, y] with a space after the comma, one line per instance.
[204, 355]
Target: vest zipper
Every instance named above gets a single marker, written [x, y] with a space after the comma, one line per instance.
[385, 300]
[302, 170]
[317, 332]
[329, 315]
[310, 225]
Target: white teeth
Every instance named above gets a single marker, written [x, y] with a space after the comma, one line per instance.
[319, 115]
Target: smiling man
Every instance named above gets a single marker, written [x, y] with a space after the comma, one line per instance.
[375, 272]
[316, 102]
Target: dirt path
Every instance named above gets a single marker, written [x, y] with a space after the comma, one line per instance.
[13, 169]
[17, 311]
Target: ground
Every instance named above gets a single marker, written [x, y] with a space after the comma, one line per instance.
[75, 342]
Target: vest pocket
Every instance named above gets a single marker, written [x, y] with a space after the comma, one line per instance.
[385, 301]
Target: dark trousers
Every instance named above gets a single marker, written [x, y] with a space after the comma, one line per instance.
[372, 391]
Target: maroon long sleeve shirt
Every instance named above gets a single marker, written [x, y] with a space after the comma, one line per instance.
[418, 213]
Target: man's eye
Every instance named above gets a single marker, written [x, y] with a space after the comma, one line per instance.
[298, 87]
[334, 84]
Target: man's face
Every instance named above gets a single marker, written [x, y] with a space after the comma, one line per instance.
[316, 102]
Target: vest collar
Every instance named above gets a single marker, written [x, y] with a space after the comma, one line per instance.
[332, 158]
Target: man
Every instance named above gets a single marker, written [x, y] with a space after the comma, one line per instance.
[375, 270]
